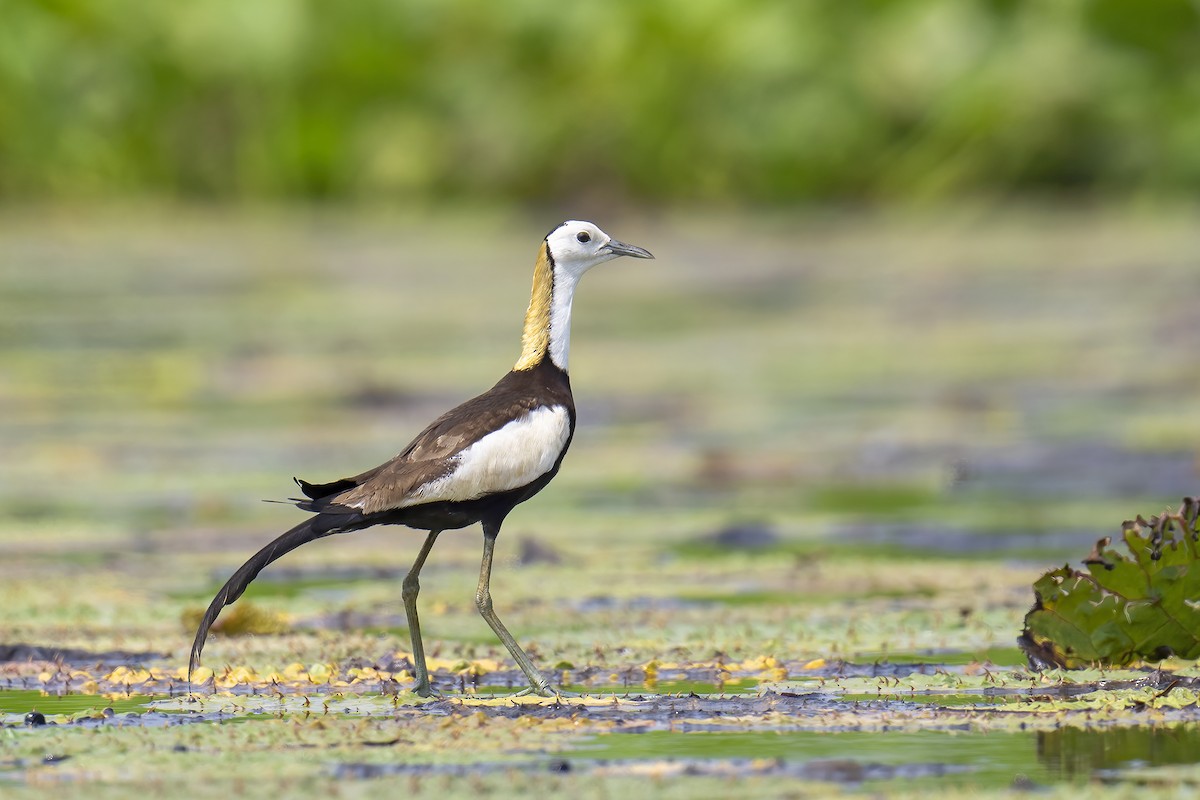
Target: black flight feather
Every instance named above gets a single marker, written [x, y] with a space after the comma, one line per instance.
[317, 491]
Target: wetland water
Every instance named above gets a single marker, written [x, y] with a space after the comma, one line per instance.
[990, 738]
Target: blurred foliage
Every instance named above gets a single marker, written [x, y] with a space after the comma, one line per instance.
[245, 619]
[696, 100]
[1125, 609]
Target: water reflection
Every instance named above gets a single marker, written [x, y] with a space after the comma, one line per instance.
[1078, 753]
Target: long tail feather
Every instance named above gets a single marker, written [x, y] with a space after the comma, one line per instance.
[303, 533]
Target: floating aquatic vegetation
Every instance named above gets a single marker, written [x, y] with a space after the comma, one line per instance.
[1144, 606]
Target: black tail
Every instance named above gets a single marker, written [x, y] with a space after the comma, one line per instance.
[307, 531]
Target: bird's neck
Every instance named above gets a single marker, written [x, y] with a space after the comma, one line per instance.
[547, 331]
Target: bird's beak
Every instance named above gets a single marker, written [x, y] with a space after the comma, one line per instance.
[622, 249]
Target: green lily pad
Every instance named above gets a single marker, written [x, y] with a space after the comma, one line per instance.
[1126, 608]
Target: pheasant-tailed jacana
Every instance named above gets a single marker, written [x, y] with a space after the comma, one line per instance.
[475, 463]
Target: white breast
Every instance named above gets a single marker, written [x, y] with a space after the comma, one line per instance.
[509, 458]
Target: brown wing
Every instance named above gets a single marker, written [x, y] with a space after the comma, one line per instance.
[430, 455]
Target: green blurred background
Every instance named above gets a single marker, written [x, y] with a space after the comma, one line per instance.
[915, 314]
[922, 323]
[538, 102]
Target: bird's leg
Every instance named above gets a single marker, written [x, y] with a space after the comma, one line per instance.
[483, 601]
[411, 586]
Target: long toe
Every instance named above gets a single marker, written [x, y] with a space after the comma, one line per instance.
[546, 691]
[425, 690]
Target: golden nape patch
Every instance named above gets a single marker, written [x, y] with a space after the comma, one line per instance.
[535, 339]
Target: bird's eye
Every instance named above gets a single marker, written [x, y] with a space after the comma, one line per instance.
[584, 237]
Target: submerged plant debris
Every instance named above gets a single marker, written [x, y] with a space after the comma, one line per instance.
[1127, 608]
[837, 723]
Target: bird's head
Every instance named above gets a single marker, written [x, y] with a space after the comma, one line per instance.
[576, 247]
[569, 250]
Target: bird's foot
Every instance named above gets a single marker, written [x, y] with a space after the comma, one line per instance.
[423, 689]
[546, 690]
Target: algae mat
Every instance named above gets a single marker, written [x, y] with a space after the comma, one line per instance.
[880, 727]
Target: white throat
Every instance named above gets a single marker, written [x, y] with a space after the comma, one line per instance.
[561, 302]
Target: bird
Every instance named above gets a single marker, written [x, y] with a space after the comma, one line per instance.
[473, 464]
